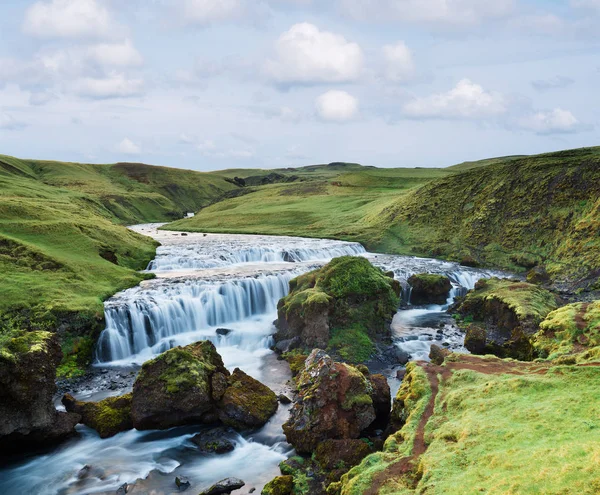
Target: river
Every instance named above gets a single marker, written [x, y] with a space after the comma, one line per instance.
[205, 282]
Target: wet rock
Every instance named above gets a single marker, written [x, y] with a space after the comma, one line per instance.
[281, 485]
[223, 331]
[538, 275]
[394, 355]
[175, 388]
[287, 345]
[123, 489]
[334, 402]
[381, 396]
[108, 417]
[247, 403]
[428, 288]
[28, 418]
[215, 441]
[284, 399]
[224, 486]
[503, 317]
[336, 457]
[348, 294]
[182, 483]
[437, 354]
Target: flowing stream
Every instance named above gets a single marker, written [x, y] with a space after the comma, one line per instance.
[223, 288]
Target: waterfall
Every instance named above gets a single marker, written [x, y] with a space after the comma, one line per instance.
[149, 317]
[218, 254]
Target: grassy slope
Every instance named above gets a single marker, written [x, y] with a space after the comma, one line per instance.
[500, 432]
[337, 202]
[461, 167]
[58, 220]
[543, 209]
[502, 212]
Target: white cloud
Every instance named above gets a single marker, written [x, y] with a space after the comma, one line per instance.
[114, 85]
[399, 64]
[337, 106]
[466, 100]
[68, 19]
[128, 147]
[115, 54]
[306, 55]
[457, 12]
[41, 97]
[555, 121]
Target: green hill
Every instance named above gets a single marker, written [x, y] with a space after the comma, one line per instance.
[538, 210]
[461, 167]
[63, 246]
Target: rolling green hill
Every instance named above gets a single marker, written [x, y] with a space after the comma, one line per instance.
[63, 248]
[511, 212]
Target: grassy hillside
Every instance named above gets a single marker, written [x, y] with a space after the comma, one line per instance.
[538, 210]
[461, 167]
[63, 248]
[337, 201]
[512, 212]
[484, 425]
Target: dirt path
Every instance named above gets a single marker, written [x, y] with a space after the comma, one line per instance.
[406, 466]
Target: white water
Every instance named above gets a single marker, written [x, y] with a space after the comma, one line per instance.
[205, 282]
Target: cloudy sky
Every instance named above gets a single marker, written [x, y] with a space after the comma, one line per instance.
[212, 84]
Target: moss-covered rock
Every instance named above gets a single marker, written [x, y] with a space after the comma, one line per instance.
[246, 403]
[571, 329]
[336, 457]
[28, 417]
[334, 402]
[509, 312]
[178, 387]
[108, 416]
[281, 485]
[429, 288]
[348, 297]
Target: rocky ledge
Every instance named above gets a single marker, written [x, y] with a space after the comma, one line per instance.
[185, 385]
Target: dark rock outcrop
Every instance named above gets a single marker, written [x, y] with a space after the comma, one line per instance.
[343, 306]
[108, 417]
[335, 401]
[28, 418]
[179, 387]
[501, 316]
[429, 288]
[246, 403]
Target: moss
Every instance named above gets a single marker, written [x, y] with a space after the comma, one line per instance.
[108, 416]
[14, 344]
[296, 359]
[77, 356]
[573, 328]
[352, 344]
[281, 485]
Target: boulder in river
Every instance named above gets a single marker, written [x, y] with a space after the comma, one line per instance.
[335, 401]
[429, 288]
[246, 403]
[190, 384]
[343, 306]
[176, 388]
[224, 486]
[108, 417]
[214, 441]
[28, 417]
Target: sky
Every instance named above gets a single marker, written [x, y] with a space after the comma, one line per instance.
[215, 84]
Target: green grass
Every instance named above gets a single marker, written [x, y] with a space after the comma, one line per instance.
[334, 203]
[500, 435]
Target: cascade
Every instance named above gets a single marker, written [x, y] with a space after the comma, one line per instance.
[145, 317]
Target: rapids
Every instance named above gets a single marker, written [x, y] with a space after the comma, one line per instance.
[206, 282]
